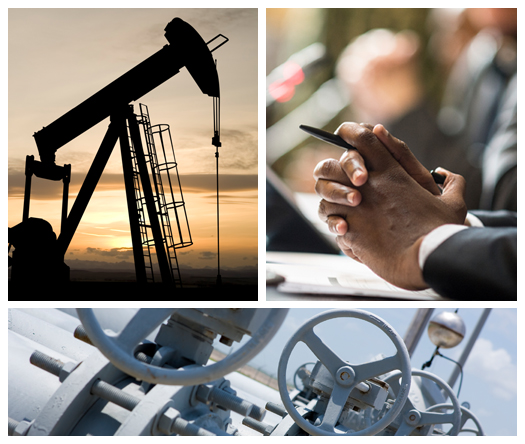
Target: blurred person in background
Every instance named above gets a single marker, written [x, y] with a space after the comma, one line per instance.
[475, 131]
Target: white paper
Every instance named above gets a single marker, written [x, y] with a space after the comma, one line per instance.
[331, 274]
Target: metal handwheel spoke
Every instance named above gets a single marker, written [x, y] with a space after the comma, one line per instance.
[335, 407]
[329, 359]
[436, 418]
[145, 321]
[405, 429]
[376, 368]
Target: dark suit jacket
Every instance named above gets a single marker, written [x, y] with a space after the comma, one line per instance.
[477, 263]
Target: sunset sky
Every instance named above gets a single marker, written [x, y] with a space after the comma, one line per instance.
[60, 57]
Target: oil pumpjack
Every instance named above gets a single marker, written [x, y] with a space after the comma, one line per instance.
[156, 208]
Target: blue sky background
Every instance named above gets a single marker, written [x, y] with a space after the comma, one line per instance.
[490, 373]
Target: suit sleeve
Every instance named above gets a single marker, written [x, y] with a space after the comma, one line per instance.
[475, 264]
[500, 218]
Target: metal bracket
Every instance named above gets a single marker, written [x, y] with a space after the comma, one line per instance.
[216, 37]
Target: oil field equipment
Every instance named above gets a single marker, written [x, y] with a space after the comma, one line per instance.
[125, 372]
[157, 214]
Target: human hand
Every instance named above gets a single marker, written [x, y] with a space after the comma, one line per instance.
[396, 210]
[338, 182]
[380, 71]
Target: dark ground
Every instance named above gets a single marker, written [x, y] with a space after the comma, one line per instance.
[113, 285]
[106, 281]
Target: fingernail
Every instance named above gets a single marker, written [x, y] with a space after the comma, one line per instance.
[339, 228]
[334, 228]
[358, 173]
[350, 197]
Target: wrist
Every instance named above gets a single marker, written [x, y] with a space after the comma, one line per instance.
[414, 271]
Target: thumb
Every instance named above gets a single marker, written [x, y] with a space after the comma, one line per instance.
[454, 191]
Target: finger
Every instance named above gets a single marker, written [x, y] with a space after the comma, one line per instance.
[337, 225]
[330, 169]
[347, 250]
[406, 159]
[377, 156]
[454, 193]
[334, 192]
[327, 209]
[367, 125]
[353, 165]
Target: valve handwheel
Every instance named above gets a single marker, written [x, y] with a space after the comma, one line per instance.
[416, 418]
[119, 348]
[466, 414]
[346, 376]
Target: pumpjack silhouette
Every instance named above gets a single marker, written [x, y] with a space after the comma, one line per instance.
[156, 207]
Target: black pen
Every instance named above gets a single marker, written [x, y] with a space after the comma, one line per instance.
[336, 140]
[325, 136]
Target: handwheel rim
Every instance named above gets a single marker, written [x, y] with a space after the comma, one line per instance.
[182, 376]
[465, 411]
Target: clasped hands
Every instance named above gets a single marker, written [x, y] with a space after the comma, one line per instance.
[381, 203]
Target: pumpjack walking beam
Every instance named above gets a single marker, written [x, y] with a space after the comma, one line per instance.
[186, 49]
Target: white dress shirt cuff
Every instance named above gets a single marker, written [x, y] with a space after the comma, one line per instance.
[435, 238]
[440, 234]
[473, 220]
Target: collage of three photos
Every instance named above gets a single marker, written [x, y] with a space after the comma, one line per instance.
[138, 141]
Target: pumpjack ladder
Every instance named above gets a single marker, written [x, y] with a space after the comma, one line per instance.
[173, 202]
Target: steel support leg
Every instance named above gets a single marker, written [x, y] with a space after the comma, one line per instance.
[65, 195]
[468, 347]
[416, 328]
[127, 167]
[27, 191]
[87, 189]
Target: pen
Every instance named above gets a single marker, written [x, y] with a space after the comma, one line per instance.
[336, 140]
[438, 178]
[325, 136]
